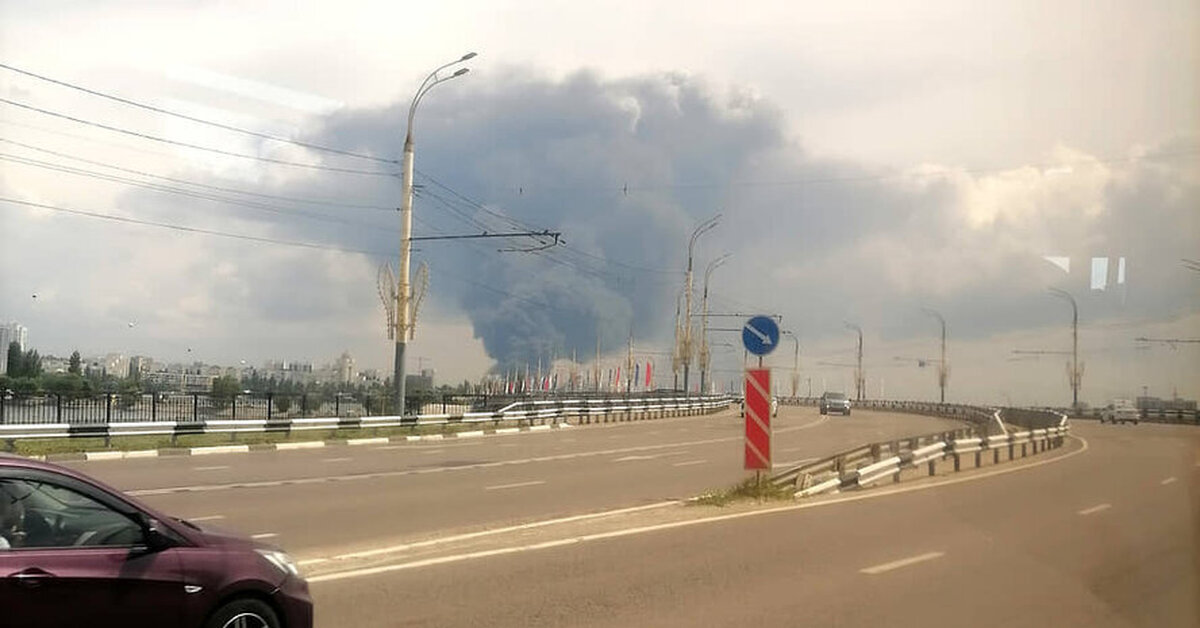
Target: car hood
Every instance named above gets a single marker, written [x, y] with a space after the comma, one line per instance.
[212, 535]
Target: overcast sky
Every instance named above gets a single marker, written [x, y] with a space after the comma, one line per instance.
[868, 160]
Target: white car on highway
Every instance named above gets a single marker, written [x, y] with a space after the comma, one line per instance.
[1120, 411]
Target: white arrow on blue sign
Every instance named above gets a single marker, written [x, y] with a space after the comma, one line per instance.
[760, 335]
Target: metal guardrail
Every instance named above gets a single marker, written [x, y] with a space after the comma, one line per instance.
[867, 464]
[520, 413]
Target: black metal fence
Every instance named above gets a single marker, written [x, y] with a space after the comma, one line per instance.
[197, 407]
[106, 408]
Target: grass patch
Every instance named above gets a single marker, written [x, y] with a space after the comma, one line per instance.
[50, 446]
[747, 490]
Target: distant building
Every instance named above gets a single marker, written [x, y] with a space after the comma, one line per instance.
[345, 368]
[179, 382]
[1171, 405]
[286, 371]
[139, 367]
[10, 333]
[419, 383]
[52, 364]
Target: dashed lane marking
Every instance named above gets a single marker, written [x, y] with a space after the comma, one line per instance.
[500, 487]
[903, 562]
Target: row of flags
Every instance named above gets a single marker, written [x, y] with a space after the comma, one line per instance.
[610, 379]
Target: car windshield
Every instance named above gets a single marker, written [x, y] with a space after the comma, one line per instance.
[616, 313]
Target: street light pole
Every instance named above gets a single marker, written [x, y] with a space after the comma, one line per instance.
[859, 377]
[687, 323]
[405, 328]
[943, 368]
[704, 353]
[1075, 372]
[795, 361]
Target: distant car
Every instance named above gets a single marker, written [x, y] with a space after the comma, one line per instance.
[834, 402]
[76, 552]
[1120, 411]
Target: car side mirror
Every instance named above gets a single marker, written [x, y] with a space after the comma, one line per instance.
[153, 536]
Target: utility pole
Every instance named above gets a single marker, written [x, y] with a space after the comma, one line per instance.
[629, 365]
[405, 327]
[596, 380]
[1074, 369]
[859, 376]
[943, 367]
[795, 361]
[705, 356]
[677, 354]
[688, 347]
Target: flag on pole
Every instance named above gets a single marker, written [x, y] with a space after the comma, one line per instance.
[647, 374]
[637, 373]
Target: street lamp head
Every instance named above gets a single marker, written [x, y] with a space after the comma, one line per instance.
[462, 71]
[468, 56]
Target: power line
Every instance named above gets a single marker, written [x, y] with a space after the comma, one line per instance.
[185, 192]
[239, 236]
[218, 151]
[219, 125]
[187, 229]
[219, 188]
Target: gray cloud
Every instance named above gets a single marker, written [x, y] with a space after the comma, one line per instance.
[626, 167]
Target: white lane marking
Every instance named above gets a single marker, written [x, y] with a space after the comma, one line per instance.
[500, 487]
[903, 562]
[474, 535]
[1095, 509]
[688, 463]
[212, 468]
[312, 561]
[1167, 481]
[356, 573]
[629, 458]
[791, 449]
[205, 518]
[264, 535]
[482, 465]
[336, 459]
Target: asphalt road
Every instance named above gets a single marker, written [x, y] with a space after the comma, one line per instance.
[1100, 533]
[321, 502]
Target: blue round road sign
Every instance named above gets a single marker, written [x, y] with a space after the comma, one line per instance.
[760, 335]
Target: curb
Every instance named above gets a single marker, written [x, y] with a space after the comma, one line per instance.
[93, 456]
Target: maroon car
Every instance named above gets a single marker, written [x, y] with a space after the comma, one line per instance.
[75, 552]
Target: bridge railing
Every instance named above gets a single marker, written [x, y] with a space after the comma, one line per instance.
[522, 413]
[871, 462]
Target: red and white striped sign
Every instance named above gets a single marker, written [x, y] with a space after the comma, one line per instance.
[758, 419]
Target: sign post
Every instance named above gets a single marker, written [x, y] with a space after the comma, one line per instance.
[760, 335]
[758, 419]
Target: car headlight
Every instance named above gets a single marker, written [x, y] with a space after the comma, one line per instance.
[280, 560]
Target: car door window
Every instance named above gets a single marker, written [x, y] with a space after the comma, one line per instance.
[39, 514]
